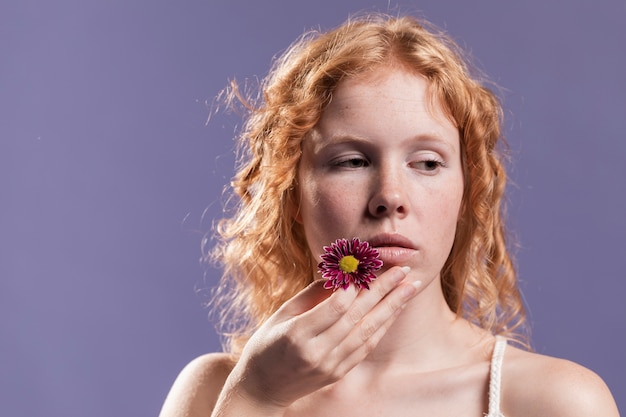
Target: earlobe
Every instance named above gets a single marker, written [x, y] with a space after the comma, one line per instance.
[295, 212]
[297, 217]
[294, 204]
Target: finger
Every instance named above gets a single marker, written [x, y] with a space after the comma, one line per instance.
[342, 313]
[304, 308]
[364, 303]
[366, 334]
[355, 352]
[363, 337]
[326, 313]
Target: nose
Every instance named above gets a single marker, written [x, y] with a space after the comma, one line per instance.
[389, 195]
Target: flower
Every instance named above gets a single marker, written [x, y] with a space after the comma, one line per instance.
[349, 261]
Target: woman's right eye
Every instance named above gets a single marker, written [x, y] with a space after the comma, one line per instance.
[351, 163]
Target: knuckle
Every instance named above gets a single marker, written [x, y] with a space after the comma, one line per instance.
[335, 375]
[327, 369]
[369, 345]
[339, 371]
[354, 315]
[392, 305]
[315, 363]
[367, 330]
[383, 290]
[332, 372]
[291, 336]
[309, 362]
[338, 307]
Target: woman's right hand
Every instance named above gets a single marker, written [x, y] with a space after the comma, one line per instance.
[313, 340]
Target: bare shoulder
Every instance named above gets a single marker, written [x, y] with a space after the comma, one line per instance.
[198, 386]
[534, 384]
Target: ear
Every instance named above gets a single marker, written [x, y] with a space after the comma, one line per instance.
[293, 199]
[298, 218]
[294, 212]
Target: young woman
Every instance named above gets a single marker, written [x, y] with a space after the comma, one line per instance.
[378, 131]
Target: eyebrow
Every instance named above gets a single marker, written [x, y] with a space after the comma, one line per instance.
[433, 138]
[436, 139]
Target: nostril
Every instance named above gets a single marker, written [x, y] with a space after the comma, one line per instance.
[386, 204]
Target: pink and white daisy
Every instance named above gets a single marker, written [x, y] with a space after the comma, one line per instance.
[349, 261]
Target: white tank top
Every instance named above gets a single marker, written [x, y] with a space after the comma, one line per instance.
[495, 377]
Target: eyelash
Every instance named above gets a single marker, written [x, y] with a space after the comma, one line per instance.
[430, 164]
[350, 163]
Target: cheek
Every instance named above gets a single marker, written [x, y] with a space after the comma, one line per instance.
[445, 215]
[327, 210]
[323, 204]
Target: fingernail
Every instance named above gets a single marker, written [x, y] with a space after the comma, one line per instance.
[406, 269]
[416, 284]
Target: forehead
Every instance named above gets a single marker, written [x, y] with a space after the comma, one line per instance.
[382, 80]
[386, 98]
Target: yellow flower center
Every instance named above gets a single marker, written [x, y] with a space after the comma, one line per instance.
[348, 264]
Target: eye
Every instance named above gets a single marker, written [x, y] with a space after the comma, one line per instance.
[352, 162]
[429, 165]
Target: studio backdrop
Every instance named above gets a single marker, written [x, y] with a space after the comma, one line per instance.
[110, 176]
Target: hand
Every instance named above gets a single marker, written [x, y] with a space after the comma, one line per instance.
[316, 337]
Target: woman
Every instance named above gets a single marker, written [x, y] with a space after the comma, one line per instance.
[377, 131]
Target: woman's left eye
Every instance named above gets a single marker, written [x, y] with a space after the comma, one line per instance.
[428, 165]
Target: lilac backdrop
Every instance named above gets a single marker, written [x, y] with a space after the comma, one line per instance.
[107, 166]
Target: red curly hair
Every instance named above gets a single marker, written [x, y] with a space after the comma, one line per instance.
[262, 250]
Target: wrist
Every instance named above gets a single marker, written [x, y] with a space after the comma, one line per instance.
[242, 397]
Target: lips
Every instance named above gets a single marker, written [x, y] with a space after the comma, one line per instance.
[394, 249]
[391, 240]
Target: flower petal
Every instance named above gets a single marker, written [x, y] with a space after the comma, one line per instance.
[362, 251]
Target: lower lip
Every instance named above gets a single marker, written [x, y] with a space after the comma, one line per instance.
[395, 255]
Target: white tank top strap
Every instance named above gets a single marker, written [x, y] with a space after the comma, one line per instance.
[495, 377]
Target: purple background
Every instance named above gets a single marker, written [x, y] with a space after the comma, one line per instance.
[107, 166]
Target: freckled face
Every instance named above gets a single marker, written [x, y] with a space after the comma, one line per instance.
[383, 164]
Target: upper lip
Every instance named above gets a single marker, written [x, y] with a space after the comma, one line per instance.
[391, 239]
